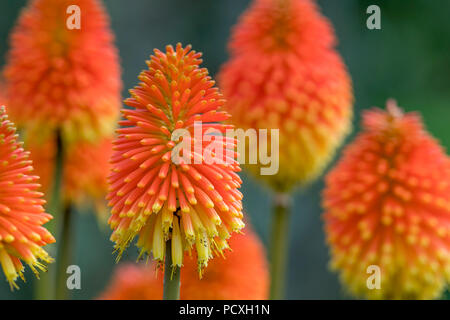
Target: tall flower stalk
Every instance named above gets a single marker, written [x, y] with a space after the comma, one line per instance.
[285, 74]
[46, 288]
[279, 244]
[171, 284]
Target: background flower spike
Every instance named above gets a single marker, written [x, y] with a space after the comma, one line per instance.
[63, 79]
[387, 204]
[284, 73]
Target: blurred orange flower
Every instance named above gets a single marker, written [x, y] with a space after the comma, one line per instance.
[242, 275]
[63, 79]
[387, 203]
[21, 213]
[86, 167]
[285, 74]
[190, 201]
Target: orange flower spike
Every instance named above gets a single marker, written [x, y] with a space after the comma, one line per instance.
[21, 209]
[242, 274]
[285, 74]
[149, 192]
[387, 204]
[58, 78]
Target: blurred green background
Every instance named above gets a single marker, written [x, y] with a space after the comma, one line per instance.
[408, 59]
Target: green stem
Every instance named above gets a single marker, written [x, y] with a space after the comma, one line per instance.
[44, 287]
[171, 289]
[279, 245]
[64, 253]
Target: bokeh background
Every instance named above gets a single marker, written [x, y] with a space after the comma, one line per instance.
[408, 59]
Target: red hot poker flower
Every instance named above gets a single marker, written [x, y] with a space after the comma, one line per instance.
[284, 73]
[61, 78]
[193, 203]
[21, 208]
[387, 204]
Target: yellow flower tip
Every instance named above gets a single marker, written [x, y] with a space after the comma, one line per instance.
[48, 238]
[156, 207]
[9, 269]
[185, 209]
